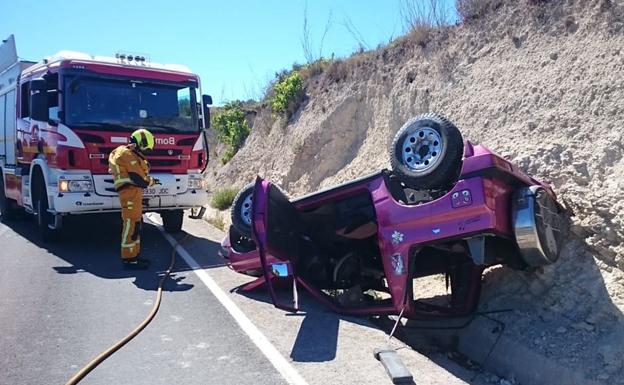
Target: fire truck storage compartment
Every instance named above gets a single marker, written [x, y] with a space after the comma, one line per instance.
[10, 69]
[7, 126]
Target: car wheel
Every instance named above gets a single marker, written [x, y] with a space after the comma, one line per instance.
[426, 152]
[539, 226]
[172, 220]
[241, 210]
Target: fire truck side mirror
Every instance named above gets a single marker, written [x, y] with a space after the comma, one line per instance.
[38, 100]
[206, 102]
[38, 85]
[39, 106]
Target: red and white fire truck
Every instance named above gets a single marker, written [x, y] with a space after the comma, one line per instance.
[60, 118]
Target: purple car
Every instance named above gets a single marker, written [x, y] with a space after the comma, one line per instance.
[447, 207]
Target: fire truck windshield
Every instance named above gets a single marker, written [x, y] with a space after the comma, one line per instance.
[120, 105]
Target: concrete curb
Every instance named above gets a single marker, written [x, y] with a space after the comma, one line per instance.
[484, 341]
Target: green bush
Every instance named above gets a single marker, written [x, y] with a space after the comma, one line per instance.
[227, 155]
[231, 127]
[222, 199]
[286, 93]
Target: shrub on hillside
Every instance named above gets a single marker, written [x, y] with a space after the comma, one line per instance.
[311, 70]
[421, 34]
[337, 71]
[287, 94]
[231, 127]
[222, 199]
[421, 17]
[473, 9]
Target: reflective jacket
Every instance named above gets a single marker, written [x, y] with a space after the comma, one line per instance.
[129, 168]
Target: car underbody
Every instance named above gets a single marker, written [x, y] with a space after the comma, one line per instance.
[360, 247]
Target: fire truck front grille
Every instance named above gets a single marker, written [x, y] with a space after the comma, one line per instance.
[156, 164]
[155, 152]
[164, 162]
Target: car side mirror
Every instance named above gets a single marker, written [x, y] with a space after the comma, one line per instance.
[206, 103]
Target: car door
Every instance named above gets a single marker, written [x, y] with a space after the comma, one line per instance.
[278, 230]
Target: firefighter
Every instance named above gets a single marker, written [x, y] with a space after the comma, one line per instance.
[130, 172]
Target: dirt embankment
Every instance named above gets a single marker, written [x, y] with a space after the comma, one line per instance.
[540, 84]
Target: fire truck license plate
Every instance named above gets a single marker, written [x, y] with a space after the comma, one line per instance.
[153, 191]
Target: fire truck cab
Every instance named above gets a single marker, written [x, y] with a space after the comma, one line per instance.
[60, 119]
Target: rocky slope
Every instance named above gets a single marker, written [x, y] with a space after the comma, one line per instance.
[541, 84]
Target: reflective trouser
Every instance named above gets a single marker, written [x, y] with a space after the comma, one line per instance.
[131, 199]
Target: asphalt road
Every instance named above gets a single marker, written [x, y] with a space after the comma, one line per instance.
[62, 304]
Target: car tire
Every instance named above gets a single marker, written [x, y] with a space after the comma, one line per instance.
[426, 153]
[241, 210]
[172, 220]
[539, 226]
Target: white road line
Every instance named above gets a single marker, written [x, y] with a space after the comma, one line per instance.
[279, 362]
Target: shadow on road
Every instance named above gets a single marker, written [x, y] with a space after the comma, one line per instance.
[317, 337]
[91, 244]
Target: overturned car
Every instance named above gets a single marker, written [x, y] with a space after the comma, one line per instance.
[447, 207]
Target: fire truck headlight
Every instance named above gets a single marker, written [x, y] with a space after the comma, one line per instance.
[75, 186]
[80, 186]
[195, 183]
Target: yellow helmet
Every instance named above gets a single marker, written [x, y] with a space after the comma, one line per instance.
[143, 139]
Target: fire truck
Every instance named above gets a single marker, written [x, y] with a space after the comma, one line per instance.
[60, 118]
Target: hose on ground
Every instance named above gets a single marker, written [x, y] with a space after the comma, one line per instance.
[82, 373]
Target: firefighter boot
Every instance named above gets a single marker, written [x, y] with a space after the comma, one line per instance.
[136, 263]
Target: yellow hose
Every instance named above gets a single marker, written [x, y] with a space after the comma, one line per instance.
[82, 373]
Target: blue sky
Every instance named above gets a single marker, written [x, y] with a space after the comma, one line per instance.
[235, 46]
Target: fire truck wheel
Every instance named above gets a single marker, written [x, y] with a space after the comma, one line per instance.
[44, 218]
[7, 212]
[172, 220]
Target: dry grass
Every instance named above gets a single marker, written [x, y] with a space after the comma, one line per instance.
[422, 17]
[217, 221]
[416, 13]
[474, 9]
[421, 34]
[338, 71]
[314, 69]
